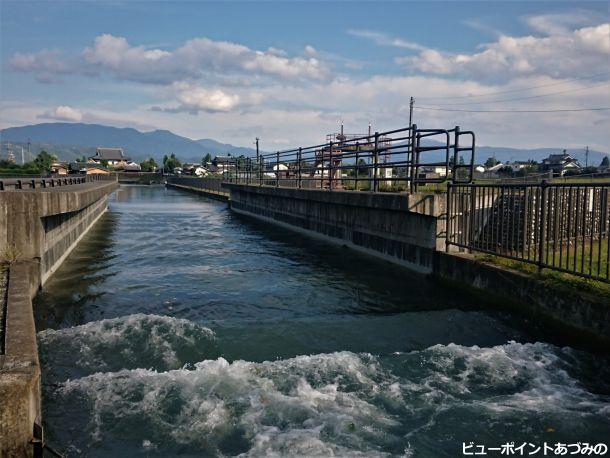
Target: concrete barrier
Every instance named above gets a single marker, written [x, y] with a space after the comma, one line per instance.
[19, 368]
[579, 317]
[38, 229]
[208, 186]
[44, 225]
[402, 228]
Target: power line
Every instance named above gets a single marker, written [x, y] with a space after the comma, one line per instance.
[514, 111]
[530, 96]
[515, 90]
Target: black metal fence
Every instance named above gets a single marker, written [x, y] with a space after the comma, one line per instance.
[7, 184]
[395, 160]
[562, 226]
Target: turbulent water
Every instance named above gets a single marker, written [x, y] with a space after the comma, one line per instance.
[178, 328]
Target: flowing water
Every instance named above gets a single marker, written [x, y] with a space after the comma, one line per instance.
[179, 328]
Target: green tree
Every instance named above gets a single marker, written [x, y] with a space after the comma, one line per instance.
[171, 162]
[207, 158]
[44, 160]
[605, 162]
[149, 165]
[491, 161]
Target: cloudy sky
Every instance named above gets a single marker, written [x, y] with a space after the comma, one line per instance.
[289, 72]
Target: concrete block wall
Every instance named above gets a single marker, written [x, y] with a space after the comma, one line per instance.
[402, 228]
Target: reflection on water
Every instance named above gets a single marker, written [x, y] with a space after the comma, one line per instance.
[179, 328]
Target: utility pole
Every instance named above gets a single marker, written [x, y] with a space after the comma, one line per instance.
[587, 156]
[411, 111]
[257, 149]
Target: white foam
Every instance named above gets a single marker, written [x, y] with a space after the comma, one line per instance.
[309, 405]
[130, 341]
[338, 404]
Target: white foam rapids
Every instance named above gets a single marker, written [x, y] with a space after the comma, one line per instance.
[133, 341]
[337, 404]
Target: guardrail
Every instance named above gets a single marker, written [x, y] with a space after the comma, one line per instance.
[384, 161]
[7, 184]
[559, 226]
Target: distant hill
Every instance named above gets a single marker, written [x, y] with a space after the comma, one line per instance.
[72, 140]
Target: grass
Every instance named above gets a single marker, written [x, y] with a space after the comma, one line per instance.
[10, 255]
[552, 277]
[581, 180]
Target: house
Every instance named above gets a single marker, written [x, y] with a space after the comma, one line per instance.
[517, 165]
[559, 164]
[112, 156]
[200, 171]
[428, 176]
[221, 164]
[60, 168]
[495, 168]
[87, 168]
[439, 170]
[189, 168]
[131, 167]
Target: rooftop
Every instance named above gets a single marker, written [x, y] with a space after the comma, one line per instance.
[110, 154]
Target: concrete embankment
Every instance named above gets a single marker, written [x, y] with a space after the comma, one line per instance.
[208, 187]
[401, 228]
[38, 229]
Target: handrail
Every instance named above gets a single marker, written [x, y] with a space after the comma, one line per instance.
[559, 226]
[390, 160]
[27, 183]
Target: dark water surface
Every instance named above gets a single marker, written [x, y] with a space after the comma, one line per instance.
[179, 328]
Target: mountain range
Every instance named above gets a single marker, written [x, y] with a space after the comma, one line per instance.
[71, 140]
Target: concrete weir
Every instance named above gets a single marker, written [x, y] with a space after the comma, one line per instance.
[38, 229]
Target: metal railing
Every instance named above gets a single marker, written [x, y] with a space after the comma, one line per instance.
[394, 160]
[559, 226]
[7, 184]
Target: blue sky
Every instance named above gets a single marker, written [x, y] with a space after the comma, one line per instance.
[288, 72]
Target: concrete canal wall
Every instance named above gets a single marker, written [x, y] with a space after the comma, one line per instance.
[38, 229]
[208, 187]
[405, 229]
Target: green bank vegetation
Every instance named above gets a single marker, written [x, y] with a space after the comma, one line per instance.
[41, 164]
[556, 278]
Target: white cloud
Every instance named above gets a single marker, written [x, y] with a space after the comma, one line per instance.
[194, 99]
[568, 54]
[560, 23]
[63, 113]
[384, 39]
[47, 64]
[311, 51]
[195, 59]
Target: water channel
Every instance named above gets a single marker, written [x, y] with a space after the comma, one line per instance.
[179, 328]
